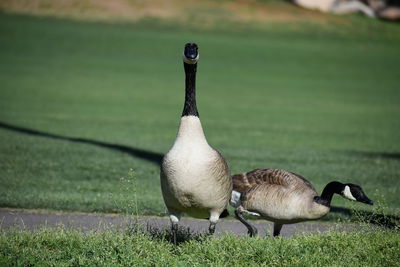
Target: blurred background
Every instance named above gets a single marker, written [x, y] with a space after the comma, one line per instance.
[91, 94]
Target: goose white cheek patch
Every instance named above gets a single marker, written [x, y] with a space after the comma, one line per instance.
[235, 199]
[191, 61]
[347, 193]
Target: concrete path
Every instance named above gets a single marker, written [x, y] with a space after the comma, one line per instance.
[33, 220]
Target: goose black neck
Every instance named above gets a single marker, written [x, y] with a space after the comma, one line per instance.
[329, 190]
[190, 107]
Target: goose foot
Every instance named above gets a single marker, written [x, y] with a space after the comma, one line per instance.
[277, 229]
[175, 233]
[211, 229]
[252, 231]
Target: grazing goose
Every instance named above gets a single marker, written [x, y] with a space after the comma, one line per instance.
[284, 197]
[194, 177]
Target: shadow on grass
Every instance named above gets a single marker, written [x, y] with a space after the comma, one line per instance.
[386, 155]
[184, 234]
[135, 152]
[383, 220]
[153, 157]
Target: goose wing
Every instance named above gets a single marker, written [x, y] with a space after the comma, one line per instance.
[245, 181]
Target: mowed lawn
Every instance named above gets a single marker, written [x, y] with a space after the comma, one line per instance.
[82, 104]
[58, 247]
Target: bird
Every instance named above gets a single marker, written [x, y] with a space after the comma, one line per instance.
[195, 178]
[284, 197]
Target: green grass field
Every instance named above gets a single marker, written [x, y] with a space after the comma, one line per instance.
[65, 248]
[83, 103]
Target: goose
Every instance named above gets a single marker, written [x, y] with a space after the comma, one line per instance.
[284, 197]
[195, 178]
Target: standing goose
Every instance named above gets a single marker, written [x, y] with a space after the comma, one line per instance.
[194, 177]
[284, 197]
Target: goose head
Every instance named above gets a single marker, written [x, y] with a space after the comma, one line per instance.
[191, 53]
[355, 192]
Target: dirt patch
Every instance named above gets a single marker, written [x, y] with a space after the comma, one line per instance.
[254, 11]
[204, 12]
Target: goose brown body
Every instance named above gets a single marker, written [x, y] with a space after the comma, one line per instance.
[278, 196]
[284, 197]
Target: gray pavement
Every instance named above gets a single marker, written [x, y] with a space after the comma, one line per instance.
[33, 220]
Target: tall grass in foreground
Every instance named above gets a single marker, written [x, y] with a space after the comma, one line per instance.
[58, 247]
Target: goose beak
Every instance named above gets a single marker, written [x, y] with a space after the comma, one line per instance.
[367, 201]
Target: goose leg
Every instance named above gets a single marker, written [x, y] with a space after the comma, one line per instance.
[251, 229]
[213, 221]
[211, 229]
[174, 227]
[277, 229]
